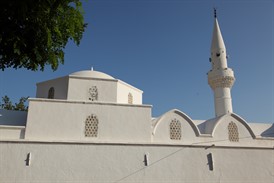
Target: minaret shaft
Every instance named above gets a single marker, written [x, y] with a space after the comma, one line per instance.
[222, 101]
[220, 77]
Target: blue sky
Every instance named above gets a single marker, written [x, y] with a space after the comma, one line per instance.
[163, 46]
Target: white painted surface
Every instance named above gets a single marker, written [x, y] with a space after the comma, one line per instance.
[222, 101]
[57, 162]
[54, 136]
[91, 74]
[60, 86]
[161, 130]
[79, 89]
[11, 132]
[65, 120]
[77, 85]
[216, 76]
[123, 90]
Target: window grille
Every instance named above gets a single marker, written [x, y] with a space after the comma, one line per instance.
[130, 98]
[51, 93]
[233, 134]
[175, 130]
[91, 126]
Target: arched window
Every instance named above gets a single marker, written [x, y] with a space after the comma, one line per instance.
[233, 134]
[91, 126]
[93, 93]
[175, 130]
[130, 98]
[51, 93]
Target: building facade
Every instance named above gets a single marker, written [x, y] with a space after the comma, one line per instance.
[90, 127]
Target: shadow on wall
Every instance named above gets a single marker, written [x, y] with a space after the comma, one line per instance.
[269, 132]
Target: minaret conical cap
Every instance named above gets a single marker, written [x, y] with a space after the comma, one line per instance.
[217, 38]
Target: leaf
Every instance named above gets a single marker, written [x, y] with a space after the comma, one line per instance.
[37, 31]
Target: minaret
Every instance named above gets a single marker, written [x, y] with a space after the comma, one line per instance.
[220, 77]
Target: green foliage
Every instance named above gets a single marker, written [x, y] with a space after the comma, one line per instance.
[33, 33]
[20, 106]
[6, 103]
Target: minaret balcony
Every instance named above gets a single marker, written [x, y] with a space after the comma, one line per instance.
[221, 82]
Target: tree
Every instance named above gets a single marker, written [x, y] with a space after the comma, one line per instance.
[20, 106]
[33, 33]
[6, 103]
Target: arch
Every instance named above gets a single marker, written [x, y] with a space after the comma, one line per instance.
[241, 120]
[91, 126]
[51, 93]
[237, 118]
[181, 114]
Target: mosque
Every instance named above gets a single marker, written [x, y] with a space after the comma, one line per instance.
[91, 127]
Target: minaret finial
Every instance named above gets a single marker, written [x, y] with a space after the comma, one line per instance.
[215, 13]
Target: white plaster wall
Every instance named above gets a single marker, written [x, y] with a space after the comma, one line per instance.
[64, 120]
[57, 162]
[123, 89]
[161, 132]
[79, 87]
[220, 133]
[60, 88]
[12, 132]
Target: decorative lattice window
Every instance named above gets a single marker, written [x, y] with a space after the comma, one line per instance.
[130, 98]
[51, 93]
[175, 130]
[93, 93]
[233, 134]
[91, 126]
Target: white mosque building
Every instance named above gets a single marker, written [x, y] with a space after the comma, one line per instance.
[90, 127]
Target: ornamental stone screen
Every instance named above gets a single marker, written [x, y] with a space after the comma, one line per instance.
[130, 98]
[93, 93]
[233, 134]
[175, 130]
[91, 126]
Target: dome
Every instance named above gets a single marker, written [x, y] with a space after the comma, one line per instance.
[92, 74]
